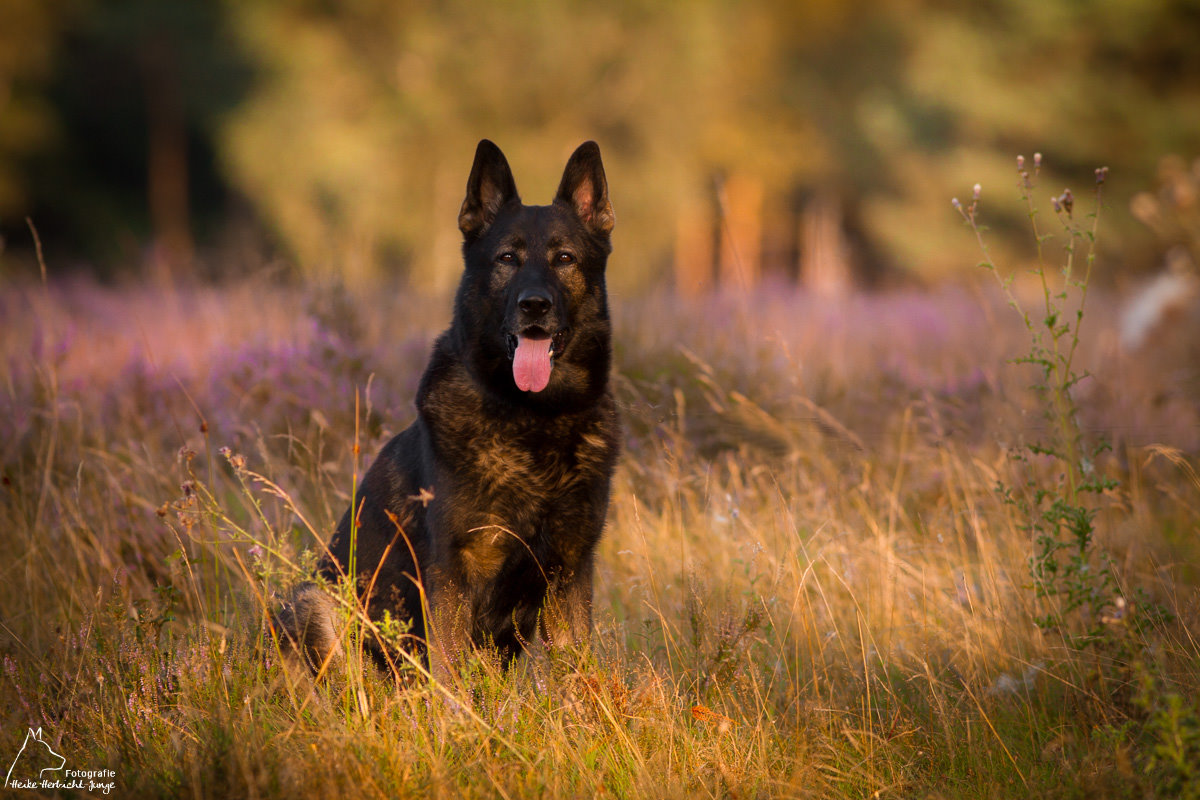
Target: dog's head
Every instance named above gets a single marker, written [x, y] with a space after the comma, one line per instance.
[531, 314]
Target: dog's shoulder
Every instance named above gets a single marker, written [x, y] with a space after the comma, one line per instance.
[448, 399]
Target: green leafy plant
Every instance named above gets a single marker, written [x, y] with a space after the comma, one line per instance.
[1058, 512]
[1172, 730]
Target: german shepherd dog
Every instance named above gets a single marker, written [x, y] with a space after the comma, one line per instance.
[478, 524]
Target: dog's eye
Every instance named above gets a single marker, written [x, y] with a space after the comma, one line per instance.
[507, 257]
[565, 258]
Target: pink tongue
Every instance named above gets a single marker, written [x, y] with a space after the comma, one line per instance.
[531, 364]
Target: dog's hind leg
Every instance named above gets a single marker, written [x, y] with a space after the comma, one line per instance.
[306, 625]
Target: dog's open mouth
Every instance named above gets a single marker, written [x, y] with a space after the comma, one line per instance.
[532, 352]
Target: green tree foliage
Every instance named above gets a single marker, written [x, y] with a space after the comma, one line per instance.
[375, 110]
[887, 103]
[1114, 82]
[354, 139]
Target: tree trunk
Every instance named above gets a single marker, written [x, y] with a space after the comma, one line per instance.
[741, 201]
[166, 163]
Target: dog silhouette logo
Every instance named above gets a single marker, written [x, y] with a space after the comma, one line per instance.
[36, 756]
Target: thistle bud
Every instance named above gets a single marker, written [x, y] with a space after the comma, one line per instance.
[978, 190]
[1020, 162]
[1037, 160]
[1101, 175]
[1067, 200]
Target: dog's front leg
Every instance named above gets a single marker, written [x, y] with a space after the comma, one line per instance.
[566, 619]
[448, 632]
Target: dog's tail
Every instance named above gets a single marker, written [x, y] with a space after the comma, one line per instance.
[306, 626]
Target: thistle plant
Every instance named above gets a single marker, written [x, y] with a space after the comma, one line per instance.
[1058, 513]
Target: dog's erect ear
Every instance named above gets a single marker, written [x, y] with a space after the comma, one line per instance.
[585, 191]
[489, 188]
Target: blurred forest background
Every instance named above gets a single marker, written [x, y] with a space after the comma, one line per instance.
[818, 140]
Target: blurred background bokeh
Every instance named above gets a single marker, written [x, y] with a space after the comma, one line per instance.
[819, 141]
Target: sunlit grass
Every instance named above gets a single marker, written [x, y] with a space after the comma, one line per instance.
[808, 585]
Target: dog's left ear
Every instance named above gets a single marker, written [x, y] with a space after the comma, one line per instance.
[585, 190]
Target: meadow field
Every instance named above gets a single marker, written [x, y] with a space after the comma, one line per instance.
[816, 580]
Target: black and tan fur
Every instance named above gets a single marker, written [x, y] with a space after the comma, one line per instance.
[499, 494]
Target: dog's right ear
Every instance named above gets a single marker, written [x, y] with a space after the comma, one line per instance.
[490, 188]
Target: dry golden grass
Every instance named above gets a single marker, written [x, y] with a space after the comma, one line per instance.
[808, 586]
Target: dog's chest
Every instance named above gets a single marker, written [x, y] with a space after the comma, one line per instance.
[519, 491]
[505, 455]
[527, 464]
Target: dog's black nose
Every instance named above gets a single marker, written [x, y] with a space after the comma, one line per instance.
[534, 303]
